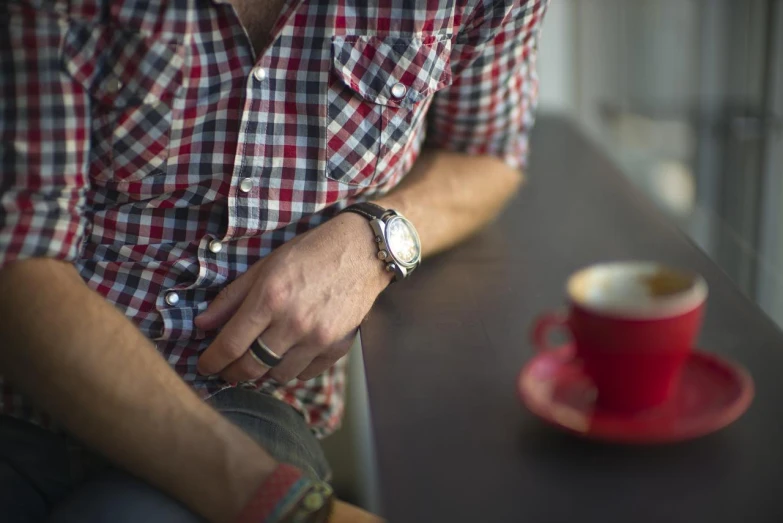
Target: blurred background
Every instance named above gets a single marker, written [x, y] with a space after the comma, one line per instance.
[687, 97]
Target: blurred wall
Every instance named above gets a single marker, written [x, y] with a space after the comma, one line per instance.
[556, 65]
[687, 97]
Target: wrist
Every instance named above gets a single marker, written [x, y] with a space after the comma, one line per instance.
[362, 244]
[287, 496]
[270, 495]
[235, 462]
[396, 240]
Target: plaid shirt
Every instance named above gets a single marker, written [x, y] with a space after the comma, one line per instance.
[144, 142]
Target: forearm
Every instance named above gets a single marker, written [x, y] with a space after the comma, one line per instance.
[80, 360]
[449, 196]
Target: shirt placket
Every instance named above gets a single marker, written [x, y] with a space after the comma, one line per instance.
[179, 304]
[249, 201]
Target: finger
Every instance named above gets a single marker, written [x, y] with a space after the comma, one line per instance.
[342, 511]
[246, 368]
[277, 338]
[250, 320]
[296, 360]
[317, 367]
[226, 302]
[327, 359]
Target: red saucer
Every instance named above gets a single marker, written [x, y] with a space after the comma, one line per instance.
[712, 394]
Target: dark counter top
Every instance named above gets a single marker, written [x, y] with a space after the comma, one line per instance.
[442, 352]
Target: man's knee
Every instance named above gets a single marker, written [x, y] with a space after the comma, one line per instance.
[117, 497]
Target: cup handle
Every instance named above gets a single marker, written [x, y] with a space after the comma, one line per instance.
[544, 325]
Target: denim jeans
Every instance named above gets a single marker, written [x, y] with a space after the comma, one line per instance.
[45, 477]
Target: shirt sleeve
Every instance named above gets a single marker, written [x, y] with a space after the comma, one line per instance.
[489, 108]
[44, 139]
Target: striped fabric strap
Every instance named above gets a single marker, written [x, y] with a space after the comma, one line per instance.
[281, 491]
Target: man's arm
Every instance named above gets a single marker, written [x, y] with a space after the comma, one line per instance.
[449, 196]
[72, 353]
[309, 296]
[306, 299]
[89, 367]
[484, 117]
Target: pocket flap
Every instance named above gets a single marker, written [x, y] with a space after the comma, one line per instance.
[122, 68]
[393, 70]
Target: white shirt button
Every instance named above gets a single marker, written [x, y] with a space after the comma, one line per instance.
[246, 184]
[398, 90]
[259, 73]
[172, 298]
[215, 246]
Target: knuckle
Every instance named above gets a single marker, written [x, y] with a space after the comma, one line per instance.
[323, 336]
[276, 295]
[281, 376]
[321, 365]
[309, 374]
[340, 350]
[300, 323]
[249, 370]
[231, 347]
[244, 369]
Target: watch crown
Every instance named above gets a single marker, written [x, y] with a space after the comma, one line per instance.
[382, 255]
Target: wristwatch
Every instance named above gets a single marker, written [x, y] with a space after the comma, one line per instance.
[399, 247]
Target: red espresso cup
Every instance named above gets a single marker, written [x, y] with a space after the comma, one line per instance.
[633, 325]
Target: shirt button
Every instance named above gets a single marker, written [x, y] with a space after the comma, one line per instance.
[259, 73]
[246, 184]
[172, 298]
[215, 246]
[113, 85]
[398, 90]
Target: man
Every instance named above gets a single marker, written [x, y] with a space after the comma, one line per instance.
[173, 176]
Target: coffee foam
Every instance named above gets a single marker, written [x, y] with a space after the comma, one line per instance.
[636, 289]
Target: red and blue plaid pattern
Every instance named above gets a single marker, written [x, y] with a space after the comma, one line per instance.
[131, 131]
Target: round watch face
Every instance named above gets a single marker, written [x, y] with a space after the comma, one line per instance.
[403, 241]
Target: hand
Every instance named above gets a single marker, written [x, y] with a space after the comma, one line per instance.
[345, 513]
[305, 300]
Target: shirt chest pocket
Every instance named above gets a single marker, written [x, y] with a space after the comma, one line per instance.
[378, 94]
[132, 80]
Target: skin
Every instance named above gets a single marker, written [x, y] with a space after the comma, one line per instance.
[126, 402]
[307, 298]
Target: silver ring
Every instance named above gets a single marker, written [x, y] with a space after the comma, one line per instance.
[263, 354]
